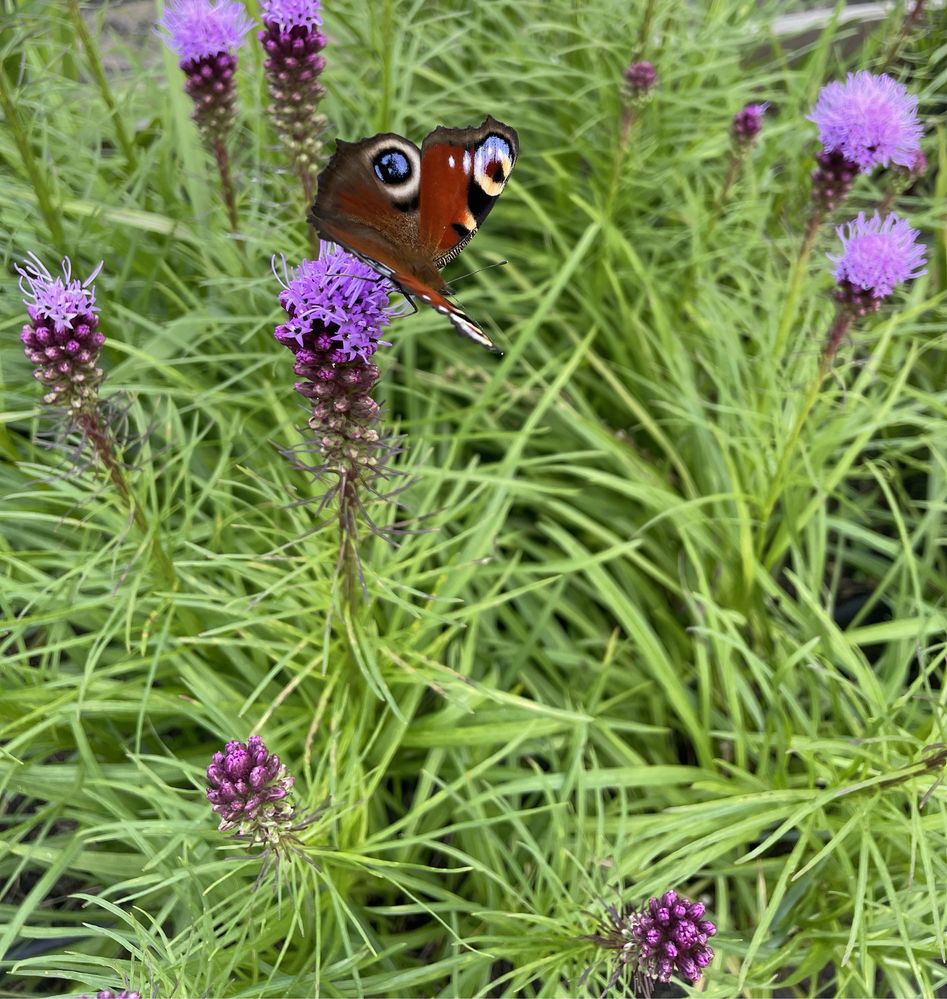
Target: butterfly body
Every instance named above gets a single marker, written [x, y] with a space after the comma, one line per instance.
[407, 212]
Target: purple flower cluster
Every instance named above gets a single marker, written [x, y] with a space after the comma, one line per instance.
[871, 120]
[206, 35]
[62, 337]
[669, 935]
[336, 309]
[198, 29]
[640, 79]
[109, 994]
[876, 257]
[747, 124]
[293, 43]
[247, 786]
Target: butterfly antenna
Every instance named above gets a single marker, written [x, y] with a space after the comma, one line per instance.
[460, 277]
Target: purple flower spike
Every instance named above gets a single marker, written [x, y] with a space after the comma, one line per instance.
[870, 120]
[336, 309]
[668, 936]
[247, 786]
[747, 124]
[876, 257]
[109, 994]
[198, 29]
[293, 45]
[62, 338]
[640, 79]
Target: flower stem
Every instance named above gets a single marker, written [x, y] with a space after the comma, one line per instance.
[95, 65]
[226, 184]
[733, 169]
[795, 285]
[98, 436]
[37, 178]
[907, 26]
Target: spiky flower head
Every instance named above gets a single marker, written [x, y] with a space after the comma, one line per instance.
[206, 35]
[62, 338]
[876, 257]
[198, 29]
[640, 79]
[336, 309]
[109, 994]
[293, 45]
[870, 119]
[289, 14]
[247, 787]
[747, 124]
[667, 936]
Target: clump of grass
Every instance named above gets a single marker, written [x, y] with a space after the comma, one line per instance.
[669, 615]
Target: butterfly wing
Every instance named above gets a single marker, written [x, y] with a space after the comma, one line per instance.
[369, 201]
[463, 172]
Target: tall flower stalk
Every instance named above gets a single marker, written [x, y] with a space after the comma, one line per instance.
[336, 309]
[867, 121]
[876, 257]
[293, 44]
[206, 34]
[744, 131]
[62, 340]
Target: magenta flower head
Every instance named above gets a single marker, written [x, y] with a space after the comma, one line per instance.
[247, 787]
[62, 338]
[293, 43]
[336, 309]
[876, 257]
[668, 936]
[870, 120]
[747, 124]
[640, 79]
[109, 994]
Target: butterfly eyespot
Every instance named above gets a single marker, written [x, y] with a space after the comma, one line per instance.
[392, 166]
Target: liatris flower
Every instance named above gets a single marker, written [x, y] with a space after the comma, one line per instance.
[248, 787]
[640, 79]
[871, 120]
[62, 337]
[336, 309]
[293, 43]
[747, 124]
[744, 129]
[651, 944]
[109, 994]
[876, 257]
[206, 34]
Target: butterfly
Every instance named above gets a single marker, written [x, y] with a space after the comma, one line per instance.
[407, 212]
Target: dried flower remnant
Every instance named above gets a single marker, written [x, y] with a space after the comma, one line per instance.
[876, 257]
[293, 44]
[248, 787]
[206, 34]
[667, 936]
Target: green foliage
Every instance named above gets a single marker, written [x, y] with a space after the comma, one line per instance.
[663, 615]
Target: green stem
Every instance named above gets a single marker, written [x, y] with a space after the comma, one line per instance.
[36, 176]
[99, 437]
[223, 166]
[95, 64]
[795, 287]
[837, 331]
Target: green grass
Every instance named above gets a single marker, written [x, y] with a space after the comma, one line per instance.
[611, 656]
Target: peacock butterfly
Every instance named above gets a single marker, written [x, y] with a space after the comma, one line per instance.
[407, 212]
